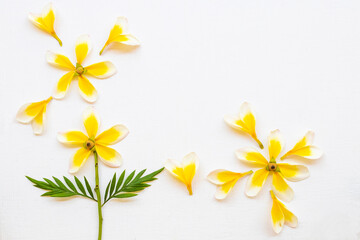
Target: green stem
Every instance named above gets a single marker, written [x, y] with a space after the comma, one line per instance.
[57, 38]
[97, 191]
[258, 142]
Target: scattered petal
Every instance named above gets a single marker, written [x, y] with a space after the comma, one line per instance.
[113, 135]
[38, 122]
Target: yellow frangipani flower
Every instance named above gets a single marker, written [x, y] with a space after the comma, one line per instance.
[279, 171]
[34, 113]
[184, 171]
[225, 180]
[45, 21]
[280, 215]
[93, 142]
[244, 122]
[98, 70]
[304, 148]
[119, 34]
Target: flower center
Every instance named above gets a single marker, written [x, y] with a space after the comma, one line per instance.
[89, 144]
[79, 69]
[272, 166]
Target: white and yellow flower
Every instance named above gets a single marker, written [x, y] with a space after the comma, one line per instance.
[34, 113]
[120, 34]
[98, 70]
[279, 171]
[45, 21]
[92, 142]
[225, 180]
[184, 171]
[304, 148]
[244, 122]
[280, 215]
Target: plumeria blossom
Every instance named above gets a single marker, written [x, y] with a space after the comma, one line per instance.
[280, 215]
[279, 171]
[120, 34]
[244, 121]
[184, 171]
[45, 21]
[98, 70]
[304, 148]
[92, 142]
[225, 180]
[34, 113]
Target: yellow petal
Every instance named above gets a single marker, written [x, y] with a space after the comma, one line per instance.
[78, 159]
[277, 215]
[63, 85]
[251, 155]
[91, 122]
[255, 182]
[109, 156]
[119, 33]
[29, 111]
[38, 122]
[304, 148]
[245, 122]
[113, 135]
[276, 144]
[45, 21]
[293, 172]
[185, 171]
[87, 90]
[82, 48]
[72, 138]
[290, 219]
[225, 181]
[101, 69]
[59, 60]
[281, 188]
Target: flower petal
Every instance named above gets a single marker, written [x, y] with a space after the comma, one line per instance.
[78, 159]
[63, 85]
[251, 155]
[304, 148]
[109, 156]
[127, 39]
[175, 169]
[113, 135]
[277, 215]
[101, 69]
[255, 182]
[290, 219]
[244, 122]
[276, 144]
[293, 172]
[281, 188]
[91, 122]
[226, 181]
[72, 138]
[38, 122]
[29, 111]
[87, 90]
[59, 60]
[82, 48]
[190, 164]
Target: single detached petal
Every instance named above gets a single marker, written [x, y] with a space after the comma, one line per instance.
[78, 159]
[304, 148]
[276, 144]
[63, 85]
[29, 111]
[72, 138]
[91, 122]
[82, 48]
[255, 182]
[38, 122]
[175, 169]
[109, 156]
[245, 122]
[87, 90]
[59, 60]
[113, 135]
[293, 172]
[277, 215]
[225, 181]
[119, 33]
[101, 69]
[251, 155]
[281, 188]
[45, 21]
